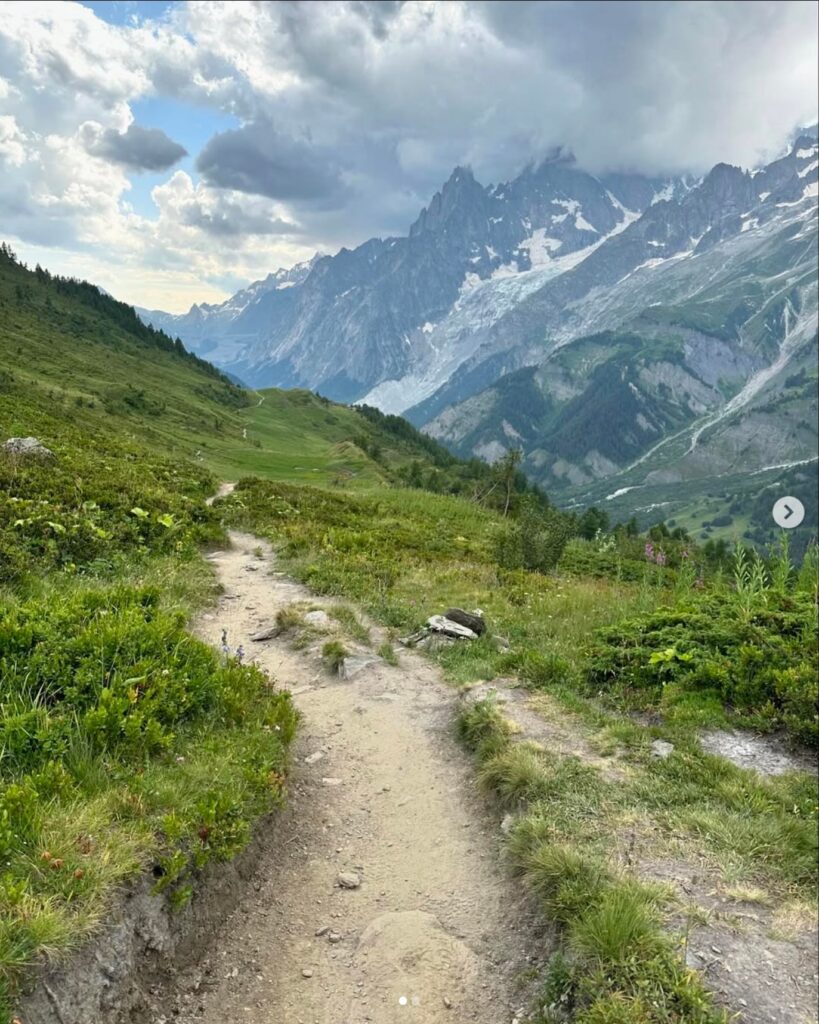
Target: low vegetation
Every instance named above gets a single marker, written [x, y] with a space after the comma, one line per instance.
[579, 837]
[605, 626]
[125, 743]
[748, 647]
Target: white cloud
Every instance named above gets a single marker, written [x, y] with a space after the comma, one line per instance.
[12, 149]
[350, 114]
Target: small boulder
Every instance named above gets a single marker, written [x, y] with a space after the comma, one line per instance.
[507, 824]
[266, 634]
[441, 624]
[472, 620]
[414, 639]
[436, 642]
[660, 748]
[353, 665]
[349, 880]
[318, 618]
[27, 447]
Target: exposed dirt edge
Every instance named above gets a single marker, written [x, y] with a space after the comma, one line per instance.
[109, 979]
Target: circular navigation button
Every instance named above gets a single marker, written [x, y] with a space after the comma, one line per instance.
[788, 512]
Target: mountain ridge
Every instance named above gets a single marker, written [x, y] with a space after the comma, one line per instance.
[363, 305]
[712, 279]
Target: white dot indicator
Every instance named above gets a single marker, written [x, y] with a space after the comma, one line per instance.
[402, 1000]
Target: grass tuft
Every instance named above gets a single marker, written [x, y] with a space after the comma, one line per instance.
[334, 652]
[387, 652]
[350, 623]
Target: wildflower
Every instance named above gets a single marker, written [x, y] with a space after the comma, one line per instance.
[240, 653]
[649, 551]
[660, 558]
[684, 554]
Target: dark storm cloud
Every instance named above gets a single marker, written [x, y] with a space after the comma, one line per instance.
[227, 219]
[261, 161]
[138, 148]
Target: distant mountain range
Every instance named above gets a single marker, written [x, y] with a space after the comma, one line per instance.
[346, 324]
[626, 332]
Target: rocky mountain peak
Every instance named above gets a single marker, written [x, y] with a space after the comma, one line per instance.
[726, 183]
[485, 277]
[460, 195]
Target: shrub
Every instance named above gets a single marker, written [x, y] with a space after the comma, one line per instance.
[759, 654]
[122, 737]
[535, 540]
[96, 501]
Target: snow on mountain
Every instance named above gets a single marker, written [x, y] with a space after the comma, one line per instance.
[494, 284]
[356, 320]
[636, 370]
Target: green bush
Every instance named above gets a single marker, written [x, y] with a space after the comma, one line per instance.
[112, 666]
[122, 738]
[94, 502]
[535, 540]
[761, 660]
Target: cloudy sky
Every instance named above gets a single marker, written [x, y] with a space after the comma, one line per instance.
[172, 152]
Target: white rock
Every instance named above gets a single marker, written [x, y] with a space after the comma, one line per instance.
[441, 624]
[27, 446]
[318, 618]
[353, 665]
[659, 748]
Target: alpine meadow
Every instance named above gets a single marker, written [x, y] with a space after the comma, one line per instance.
[425, 630]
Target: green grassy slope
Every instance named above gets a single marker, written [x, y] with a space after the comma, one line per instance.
[125, 742]
[105, 772]
[74, 363]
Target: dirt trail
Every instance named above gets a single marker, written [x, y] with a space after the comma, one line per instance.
[437, 930]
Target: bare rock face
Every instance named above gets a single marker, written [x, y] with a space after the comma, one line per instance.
[27, 447]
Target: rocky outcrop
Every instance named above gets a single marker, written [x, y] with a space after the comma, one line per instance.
[27, 448]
